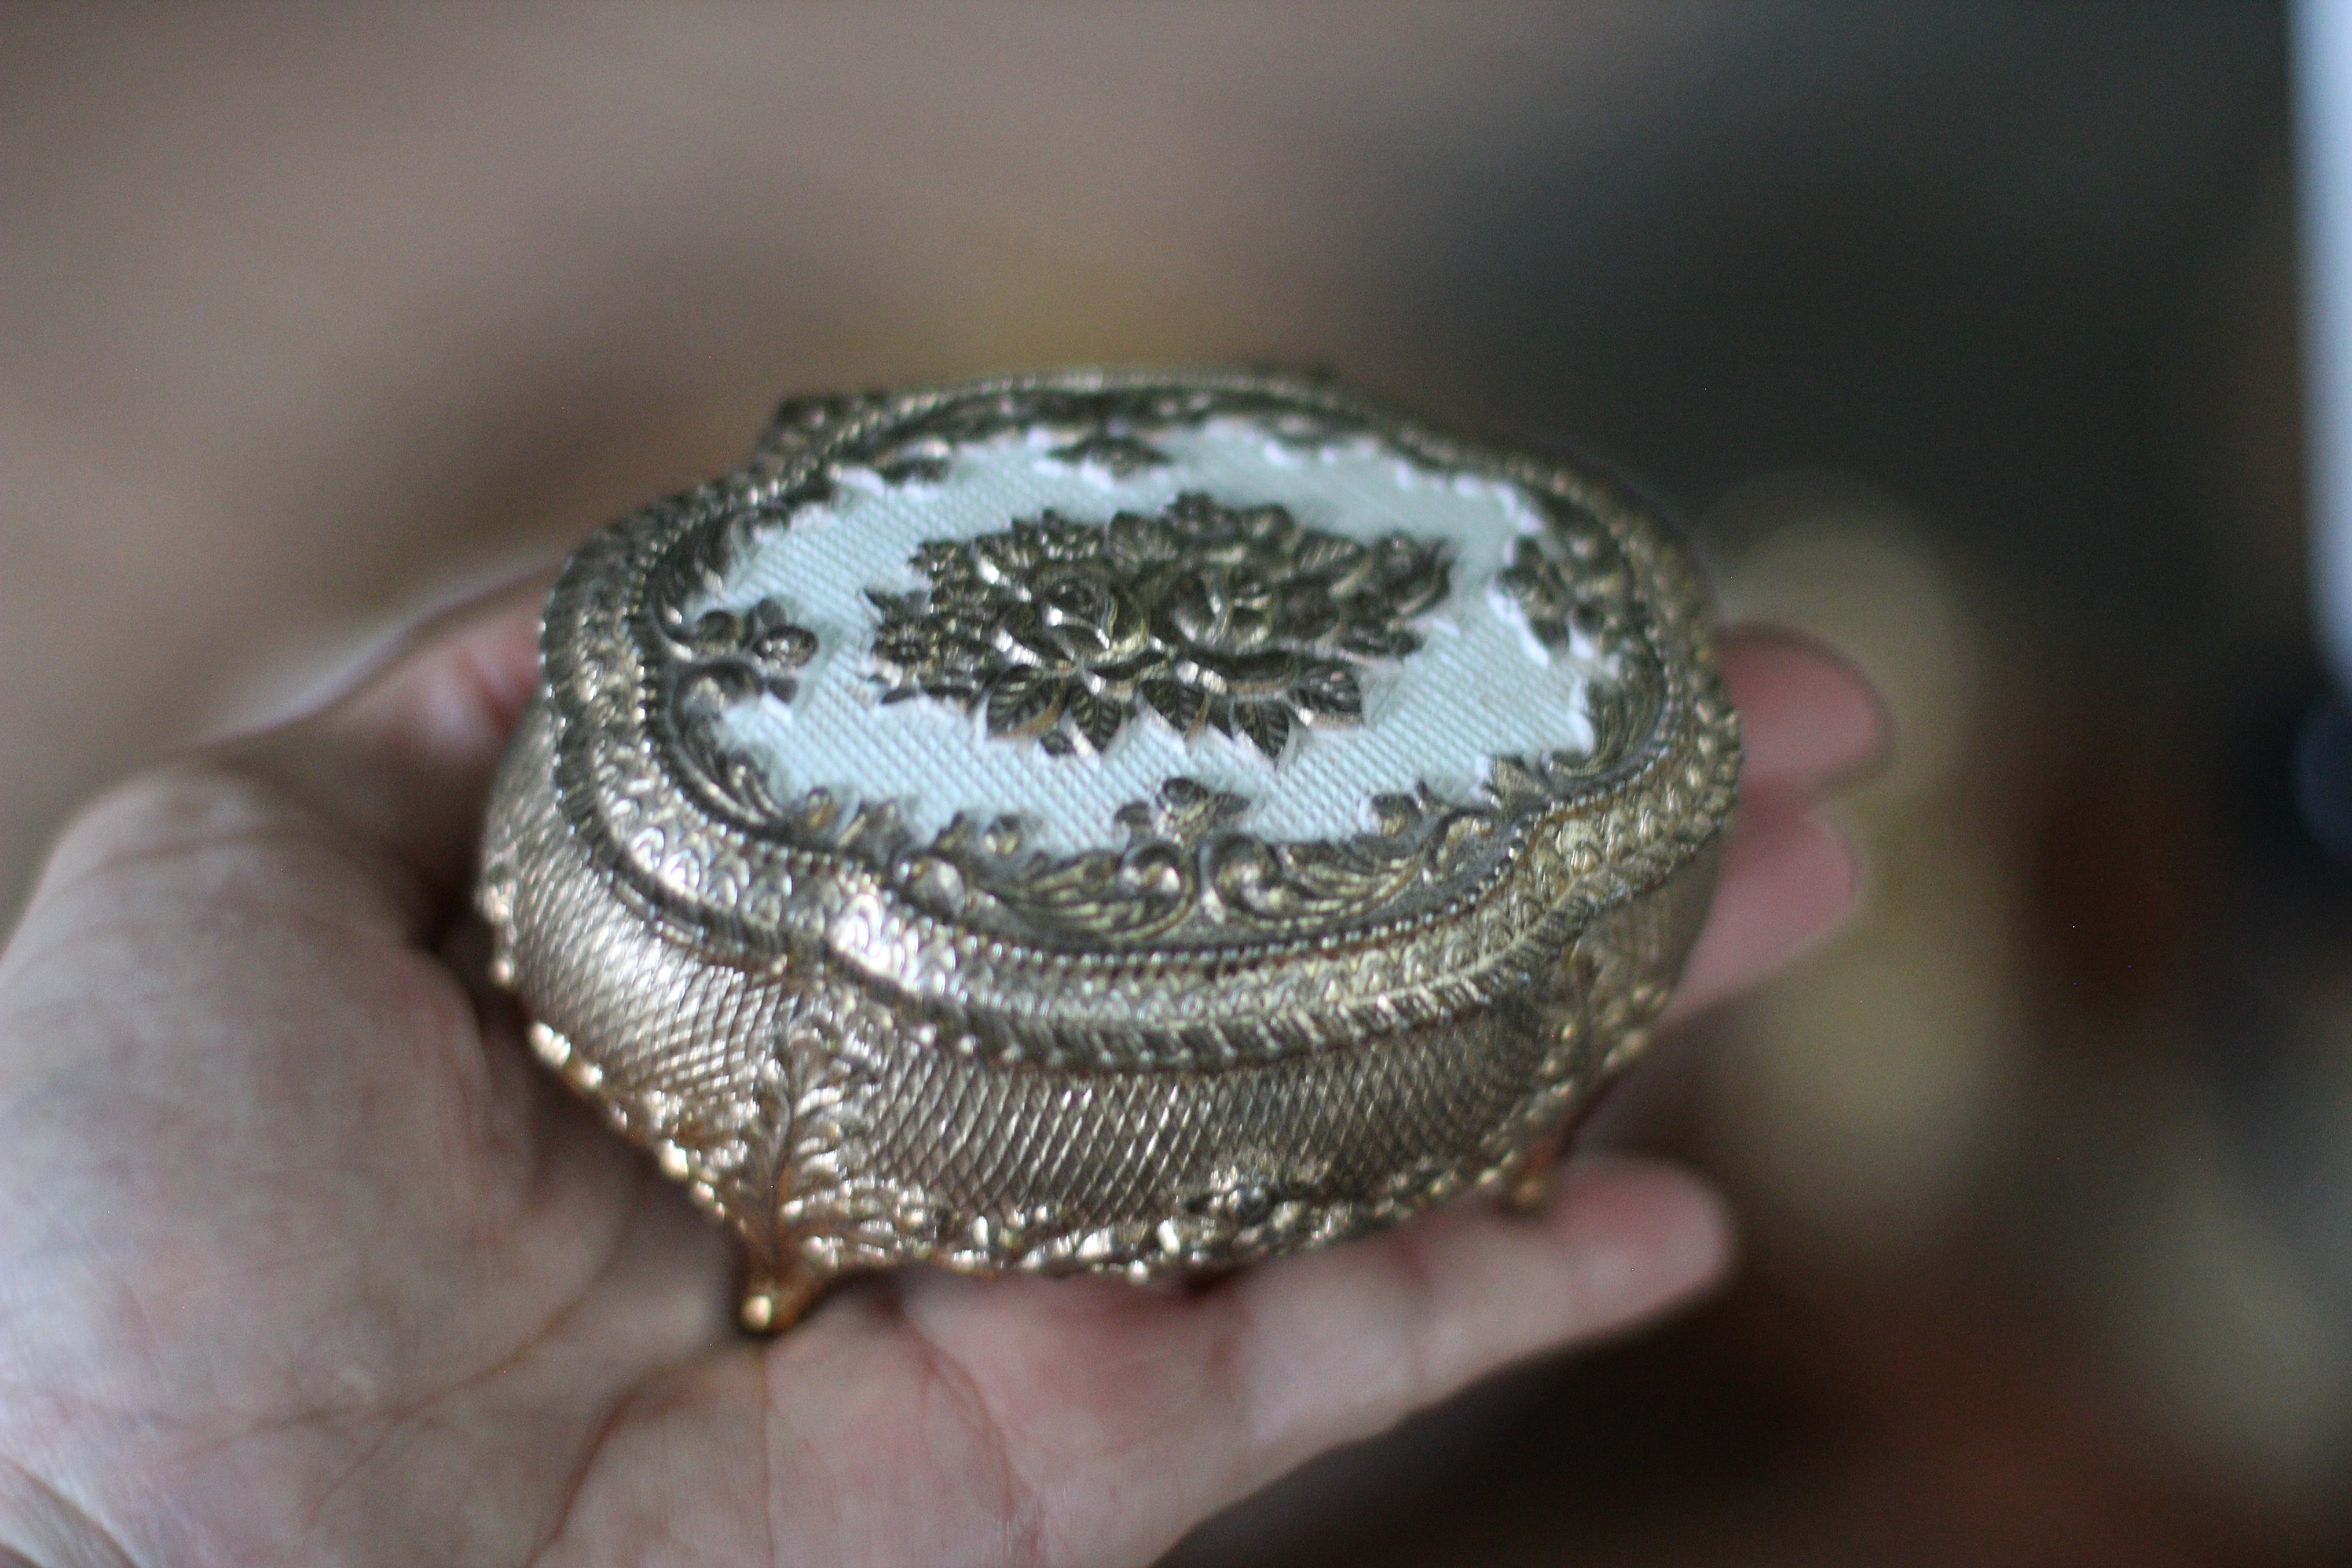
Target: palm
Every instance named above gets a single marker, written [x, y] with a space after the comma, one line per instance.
[306, 1261]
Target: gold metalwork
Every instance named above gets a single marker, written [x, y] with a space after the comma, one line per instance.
[861, 1046]
[1236, 617]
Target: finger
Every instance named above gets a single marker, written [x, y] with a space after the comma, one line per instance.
[1341, 1345]
[404, 761]
[1808, 718]
[1787, 879]
[927, 1418]
[1123, 1418]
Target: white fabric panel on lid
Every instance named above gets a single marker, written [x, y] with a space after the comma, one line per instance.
[1480, 687]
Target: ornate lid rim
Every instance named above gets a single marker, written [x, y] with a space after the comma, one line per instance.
[708, 875]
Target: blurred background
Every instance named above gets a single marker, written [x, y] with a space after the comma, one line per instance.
[1963, 335]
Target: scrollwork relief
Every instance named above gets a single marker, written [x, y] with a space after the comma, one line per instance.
[1062, 632]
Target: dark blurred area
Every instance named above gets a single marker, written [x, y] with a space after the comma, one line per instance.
[1963, 336]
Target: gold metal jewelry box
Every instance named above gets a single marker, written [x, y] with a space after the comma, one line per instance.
[1108, 821]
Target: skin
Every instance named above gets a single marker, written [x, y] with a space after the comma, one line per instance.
[303, 1260]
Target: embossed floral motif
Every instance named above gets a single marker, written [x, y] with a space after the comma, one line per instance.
[1185, 811]
[1112, 427]
[1572, 580]
[1191, 872]
[729, 656]
[1236, 618]
[1117, 452]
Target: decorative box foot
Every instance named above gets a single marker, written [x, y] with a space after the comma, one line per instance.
[772, 1305]
[1530, 1191]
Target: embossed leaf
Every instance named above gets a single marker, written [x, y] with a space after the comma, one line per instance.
[1119, 454]
[1024, 703]
[905, 469]
[1394, 814]
[1096, 720]
[1189, 810]
[1177, 702]
[716, 631]
[1328, 555]
[1266, 726]
[1513, 781]
[787, 646]
[706, 689]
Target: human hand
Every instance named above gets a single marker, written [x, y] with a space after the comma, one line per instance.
[303, 1260]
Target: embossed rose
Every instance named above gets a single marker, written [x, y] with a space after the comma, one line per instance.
[1238, 618]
